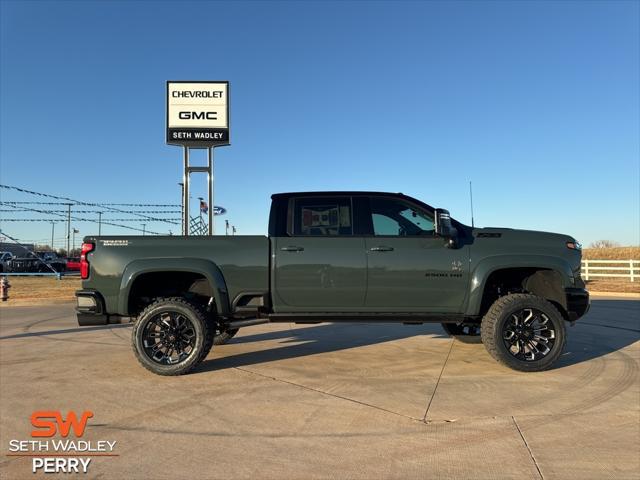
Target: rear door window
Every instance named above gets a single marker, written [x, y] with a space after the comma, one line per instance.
[321, 216]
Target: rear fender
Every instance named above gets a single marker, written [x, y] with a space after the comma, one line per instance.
[206, 268]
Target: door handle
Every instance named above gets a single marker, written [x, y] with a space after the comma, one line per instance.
[292, 248]
[381, 248]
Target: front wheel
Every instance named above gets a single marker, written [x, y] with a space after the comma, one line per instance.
[524, 332]
[172, 336]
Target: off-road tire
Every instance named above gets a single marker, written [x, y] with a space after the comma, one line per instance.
[203, 325]
[224, 336]
[500, 312]
[456, 331]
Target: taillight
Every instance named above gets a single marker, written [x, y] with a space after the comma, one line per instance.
[84, 263]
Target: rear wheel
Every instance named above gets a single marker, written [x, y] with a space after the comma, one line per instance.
[465, 333]
[172, 336]
[524, 332]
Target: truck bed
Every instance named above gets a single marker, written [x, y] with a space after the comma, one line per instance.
[243, 261]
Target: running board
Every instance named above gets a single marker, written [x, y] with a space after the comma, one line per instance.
[410, 318]
[247, 323]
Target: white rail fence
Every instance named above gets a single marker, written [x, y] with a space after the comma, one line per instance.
[611, 268]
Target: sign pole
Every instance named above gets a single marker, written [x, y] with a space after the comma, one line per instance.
[181, 207]
[210, 182]
[185, 193]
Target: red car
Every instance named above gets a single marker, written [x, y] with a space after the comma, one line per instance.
[73, 264]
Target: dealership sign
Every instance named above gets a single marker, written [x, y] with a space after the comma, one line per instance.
[197, 113]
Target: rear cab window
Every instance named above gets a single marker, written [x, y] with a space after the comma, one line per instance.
[320, 216]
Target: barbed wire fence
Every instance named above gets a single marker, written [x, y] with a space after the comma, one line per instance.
[110, 214]
[163, 218]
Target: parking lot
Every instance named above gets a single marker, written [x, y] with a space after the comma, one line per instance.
[332, 400]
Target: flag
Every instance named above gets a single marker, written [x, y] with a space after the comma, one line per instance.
[204, 208]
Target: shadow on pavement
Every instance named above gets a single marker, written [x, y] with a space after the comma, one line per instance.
[65, 330]
[610, 326]
[321, 338]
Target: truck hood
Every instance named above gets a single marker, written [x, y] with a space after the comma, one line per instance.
[522, 235]
[508, 241]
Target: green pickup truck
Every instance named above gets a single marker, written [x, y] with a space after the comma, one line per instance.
[338, 257]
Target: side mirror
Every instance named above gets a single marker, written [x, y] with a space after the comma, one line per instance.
[443, 226]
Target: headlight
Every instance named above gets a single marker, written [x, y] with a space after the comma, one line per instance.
[574, 245]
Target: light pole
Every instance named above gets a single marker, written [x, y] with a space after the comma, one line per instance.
[144, 229]
[68, 226]
[53, 229]
[99, 223]
[226, 227]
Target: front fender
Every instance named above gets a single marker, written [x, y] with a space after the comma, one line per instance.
[203, 267]
[480, 273]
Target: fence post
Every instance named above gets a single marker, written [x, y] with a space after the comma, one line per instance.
[586, 269]
[631, 262]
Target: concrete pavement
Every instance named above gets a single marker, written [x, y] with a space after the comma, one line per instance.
[332, 401]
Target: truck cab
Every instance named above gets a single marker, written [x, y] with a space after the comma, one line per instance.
[364, 252]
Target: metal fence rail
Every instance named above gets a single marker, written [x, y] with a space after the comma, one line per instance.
[611, 268]
[58, 275]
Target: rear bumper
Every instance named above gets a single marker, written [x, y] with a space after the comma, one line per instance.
[577, 302]
[90, 308]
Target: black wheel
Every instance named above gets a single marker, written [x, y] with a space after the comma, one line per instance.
[223, 336]
[525, 332]
[465, 333]
[172, 336]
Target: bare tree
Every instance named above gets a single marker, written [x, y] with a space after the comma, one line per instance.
[604, 244]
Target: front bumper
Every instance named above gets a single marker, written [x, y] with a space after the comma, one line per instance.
[578, 302]
[90, 308]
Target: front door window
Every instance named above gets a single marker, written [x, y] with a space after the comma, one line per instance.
[393, 217]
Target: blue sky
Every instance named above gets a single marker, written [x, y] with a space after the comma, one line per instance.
[536, 102]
